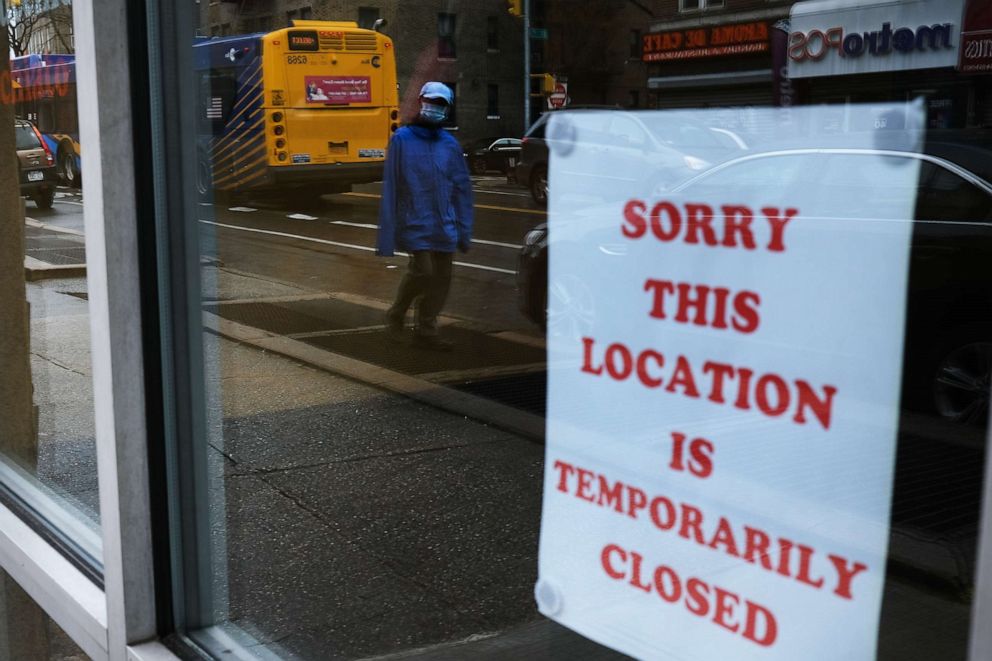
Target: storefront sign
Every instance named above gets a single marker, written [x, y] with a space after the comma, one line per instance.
[736, 39]
[723, 392]
[333, 90]
[976, 38]
[828, 41]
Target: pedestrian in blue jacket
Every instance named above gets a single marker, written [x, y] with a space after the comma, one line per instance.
[426, 211]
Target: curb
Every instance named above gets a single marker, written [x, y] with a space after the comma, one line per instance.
[505, 417]
[35, 269]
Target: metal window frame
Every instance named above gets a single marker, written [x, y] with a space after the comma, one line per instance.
[105, 622]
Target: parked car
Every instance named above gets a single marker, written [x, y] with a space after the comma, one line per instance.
[949, 311]
[488, 154]
[38, 174]
[632, 149]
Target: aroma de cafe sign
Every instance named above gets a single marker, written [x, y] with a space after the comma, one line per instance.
[890, 38]
[735, 39]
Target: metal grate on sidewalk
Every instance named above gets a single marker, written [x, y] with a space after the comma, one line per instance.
[480, 363]
[56, 248]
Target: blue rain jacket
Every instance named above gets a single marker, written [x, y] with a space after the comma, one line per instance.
[426, 194]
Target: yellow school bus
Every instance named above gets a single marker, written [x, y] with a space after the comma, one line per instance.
[307, 109]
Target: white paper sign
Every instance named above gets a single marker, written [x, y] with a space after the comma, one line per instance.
[724, 371]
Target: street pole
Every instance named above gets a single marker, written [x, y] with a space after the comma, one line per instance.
[526, 66]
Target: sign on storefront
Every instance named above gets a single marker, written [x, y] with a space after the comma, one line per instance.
[829, 41]
[976, 38]
[733, 39]
[724, 376]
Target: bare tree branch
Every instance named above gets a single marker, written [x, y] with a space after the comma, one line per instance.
[31, 18]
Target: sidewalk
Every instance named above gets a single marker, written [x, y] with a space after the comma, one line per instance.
[53, 252]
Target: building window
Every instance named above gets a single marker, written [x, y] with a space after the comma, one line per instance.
[302, 14]
[452, 120]
[634, 100]
[696, 5]
[635, 44]
[446, 36]
[492, 33]
[492, 101]
[367, 16]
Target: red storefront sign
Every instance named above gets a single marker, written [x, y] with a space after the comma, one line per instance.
[734, 39]
[975, 55]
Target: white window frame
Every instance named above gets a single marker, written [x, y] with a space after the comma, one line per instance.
[119, 621]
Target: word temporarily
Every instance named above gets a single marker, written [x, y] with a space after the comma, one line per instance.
[697, 223]
[776, 555]
[769, 393]
[759, 625]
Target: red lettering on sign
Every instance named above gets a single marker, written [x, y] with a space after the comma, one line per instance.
[773, 395]
[698, 597]
[702, 305]
[776, 555]
[698, 224]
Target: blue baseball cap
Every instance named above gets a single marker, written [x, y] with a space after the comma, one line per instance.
[435, 90]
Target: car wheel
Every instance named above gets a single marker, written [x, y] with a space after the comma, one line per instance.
[45, 200]
[962, 378]
[539, 185]
[478, 166]
[68, 171]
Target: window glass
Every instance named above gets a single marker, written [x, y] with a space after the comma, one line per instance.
[47, 436]
[446, 36]
[689, 372]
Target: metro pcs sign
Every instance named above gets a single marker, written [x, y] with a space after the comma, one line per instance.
[828, 41]
[816, 44]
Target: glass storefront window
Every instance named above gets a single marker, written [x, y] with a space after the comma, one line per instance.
[48, 464]
[686, 347]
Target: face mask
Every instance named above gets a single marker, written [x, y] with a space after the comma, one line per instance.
[432, 112]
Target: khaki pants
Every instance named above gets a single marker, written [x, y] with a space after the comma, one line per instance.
[427, 280]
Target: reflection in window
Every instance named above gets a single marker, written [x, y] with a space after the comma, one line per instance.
[492, 32]
[446, 36]
[367, 16]
[492, 101]
[47, 426]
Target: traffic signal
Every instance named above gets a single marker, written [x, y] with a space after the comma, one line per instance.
[516, 7]
[541, 84]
